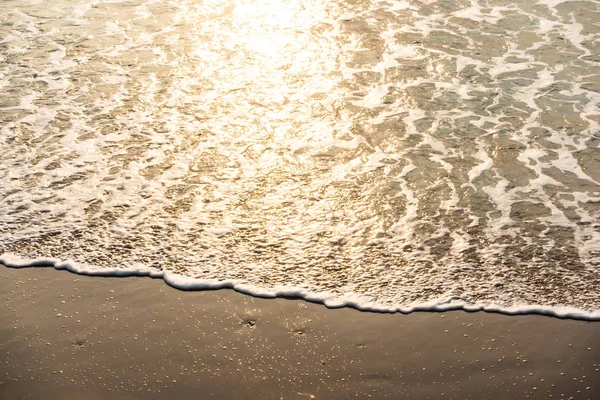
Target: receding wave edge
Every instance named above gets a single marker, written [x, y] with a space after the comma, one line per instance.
[329, 300]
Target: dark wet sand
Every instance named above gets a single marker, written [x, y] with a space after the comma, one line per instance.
[65, 336]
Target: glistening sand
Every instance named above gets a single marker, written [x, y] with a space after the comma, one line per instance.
[65, 336]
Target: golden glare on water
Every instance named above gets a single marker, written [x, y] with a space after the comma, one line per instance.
[274, 64]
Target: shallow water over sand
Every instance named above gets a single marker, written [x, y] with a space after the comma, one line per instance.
[384, 154]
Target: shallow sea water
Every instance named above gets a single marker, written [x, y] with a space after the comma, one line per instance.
[390, 155]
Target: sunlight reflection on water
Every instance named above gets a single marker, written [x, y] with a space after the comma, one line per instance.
[390, 152]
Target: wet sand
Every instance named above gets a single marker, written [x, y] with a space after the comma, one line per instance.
[70, 337]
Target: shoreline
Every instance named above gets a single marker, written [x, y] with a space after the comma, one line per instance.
[68, 336]
[187, 284]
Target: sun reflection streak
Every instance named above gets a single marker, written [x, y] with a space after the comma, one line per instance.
[266, 85]
[269, 71]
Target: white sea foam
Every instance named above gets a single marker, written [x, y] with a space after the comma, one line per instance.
[330, 300]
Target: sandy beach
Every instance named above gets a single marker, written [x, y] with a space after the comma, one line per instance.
[391, 155]
[65, 336]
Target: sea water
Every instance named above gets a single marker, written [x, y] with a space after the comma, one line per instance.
[388, 155]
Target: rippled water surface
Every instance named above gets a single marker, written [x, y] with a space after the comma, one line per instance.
[390, 154]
